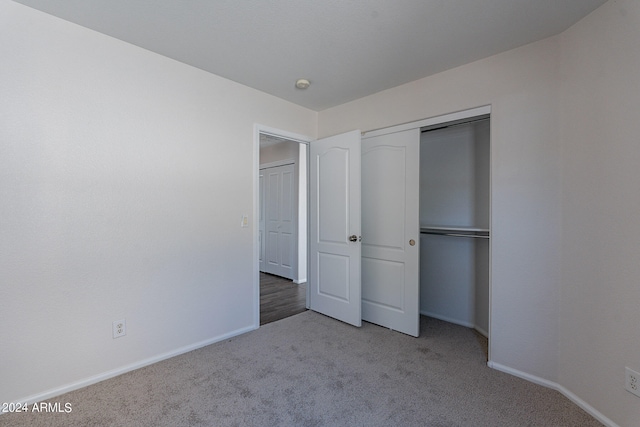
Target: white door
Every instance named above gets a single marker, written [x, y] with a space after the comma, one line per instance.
[281, 213]
[391, 230]
[334, 227]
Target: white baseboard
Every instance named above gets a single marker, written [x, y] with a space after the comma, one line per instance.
[300, 282]
[448, 319]
[481, 331]
[127, 368]
[555, 386]
[456, 322]
[131, 367]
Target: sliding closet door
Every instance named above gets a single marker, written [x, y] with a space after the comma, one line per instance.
[391, 230]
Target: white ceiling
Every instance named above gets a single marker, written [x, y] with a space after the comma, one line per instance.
[346, 48]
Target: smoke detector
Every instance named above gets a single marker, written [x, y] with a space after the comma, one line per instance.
[302, 83]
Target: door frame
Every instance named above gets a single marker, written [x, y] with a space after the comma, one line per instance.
[259, 129]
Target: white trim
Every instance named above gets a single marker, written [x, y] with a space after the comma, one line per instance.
[257, 130]
[481, 331]
[128, 368]
[555, 386]
[277, 163]
[456, 322]
[459, 115]
[491, 228]
[256, 225]
[303, 214]
[520, 374]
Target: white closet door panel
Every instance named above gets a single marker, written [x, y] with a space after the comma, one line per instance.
[333, 175]
[383, 195]
[376, 275]
[334, 215]
[287, 203]
[286, 250]
[272, 251]
[272, 217]
[390, 200]
[286, 227]
[334, 276]
[280, 221]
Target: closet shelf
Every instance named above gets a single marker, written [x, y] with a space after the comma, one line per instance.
[455, 231]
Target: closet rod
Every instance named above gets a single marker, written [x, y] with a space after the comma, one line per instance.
[475, 236]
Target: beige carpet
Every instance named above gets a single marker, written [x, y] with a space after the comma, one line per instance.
[309, 370]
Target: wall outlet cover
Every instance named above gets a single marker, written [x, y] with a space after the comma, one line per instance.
[632, 381]
[119, 328]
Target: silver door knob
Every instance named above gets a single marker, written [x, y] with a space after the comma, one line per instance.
[353, 238]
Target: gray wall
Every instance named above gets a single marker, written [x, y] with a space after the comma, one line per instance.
[124, 178]
[564, 174]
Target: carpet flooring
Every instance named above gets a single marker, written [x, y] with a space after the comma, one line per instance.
[310, 370]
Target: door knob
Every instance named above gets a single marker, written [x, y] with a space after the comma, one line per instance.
[353, 238]
[412, 242]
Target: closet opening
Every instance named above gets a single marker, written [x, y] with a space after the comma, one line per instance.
[455, 222]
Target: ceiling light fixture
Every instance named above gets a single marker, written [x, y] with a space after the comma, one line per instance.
[302, 83]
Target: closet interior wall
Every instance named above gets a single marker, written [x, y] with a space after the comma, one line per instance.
[454, 221]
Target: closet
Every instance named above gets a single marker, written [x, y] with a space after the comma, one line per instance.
[454, 222]
[420, 242]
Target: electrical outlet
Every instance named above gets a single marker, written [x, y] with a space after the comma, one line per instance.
[632, 381]
[119, 328]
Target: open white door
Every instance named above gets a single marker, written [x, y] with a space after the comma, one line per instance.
[334, 227]
[391, 230]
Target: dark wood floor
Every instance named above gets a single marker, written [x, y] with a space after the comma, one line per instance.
[280, 298]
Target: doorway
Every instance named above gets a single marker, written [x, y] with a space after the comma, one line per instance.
[282, 225]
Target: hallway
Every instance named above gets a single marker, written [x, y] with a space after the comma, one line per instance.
[280, 298]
